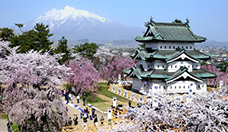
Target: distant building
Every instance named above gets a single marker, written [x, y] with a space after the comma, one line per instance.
[169, 61]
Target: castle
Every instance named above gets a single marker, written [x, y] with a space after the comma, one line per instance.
[167, 60]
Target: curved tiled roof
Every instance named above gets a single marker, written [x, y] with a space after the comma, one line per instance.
[165, 75]
[170, 32]
[167, 54]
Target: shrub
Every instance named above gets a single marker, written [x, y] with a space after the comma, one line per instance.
[92, 98]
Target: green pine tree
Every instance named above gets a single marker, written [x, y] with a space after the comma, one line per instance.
[25, 42]
[223, 66]
[36, 39]
[41, 36]
[6, 34]
[63, 48]
[87, 49]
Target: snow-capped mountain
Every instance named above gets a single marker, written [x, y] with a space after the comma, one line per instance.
[80, 24]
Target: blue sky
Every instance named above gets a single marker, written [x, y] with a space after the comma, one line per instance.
[208, 18]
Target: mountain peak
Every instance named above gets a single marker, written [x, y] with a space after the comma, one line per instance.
[68, 8]
[80, 24]
[68, 12]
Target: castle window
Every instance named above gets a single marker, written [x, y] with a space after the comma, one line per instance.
[186, 47]
[173, 47]
[171, 66]
[159, 87]
[160, 47]
[196, 65]
[175, 87]
[158, 66]
[169, 47]
[188, 87]
[179, 87]
[202, 86]
[184, 87]
[188, 66]
[164, 87]
[170, 87]
[175, 66]
[190, 47]
[182, 47]
[178, 47]
[165, 47]
[162, 66]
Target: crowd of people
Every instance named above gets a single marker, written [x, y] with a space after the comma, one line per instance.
[84, 115]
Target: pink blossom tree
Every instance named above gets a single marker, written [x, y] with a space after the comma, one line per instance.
[221, 76]
[116, 67]
[84, 77]
[31, 97]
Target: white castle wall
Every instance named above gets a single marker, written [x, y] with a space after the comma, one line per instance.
[158, 64]
[177, 86]
[173, 87]
[169, 45]
[171, 67]
[174, 66]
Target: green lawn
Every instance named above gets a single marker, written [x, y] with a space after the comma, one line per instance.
[98, 100]
[103, 103]
[103, 89]
[3, 115]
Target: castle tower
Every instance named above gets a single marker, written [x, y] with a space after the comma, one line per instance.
[168, 61]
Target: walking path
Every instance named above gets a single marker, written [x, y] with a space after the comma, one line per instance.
[73, 110]
[3, 125]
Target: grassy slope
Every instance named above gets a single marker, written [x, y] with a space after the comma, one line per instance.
[103, 89]
[104, 103]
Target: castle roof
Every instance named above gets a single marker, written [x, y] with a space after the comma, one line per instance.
[169, 55]
[183, 74]
[198, 74]
[169, 32]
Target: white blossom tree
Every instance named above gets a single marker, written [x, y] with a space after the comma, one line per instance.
[31, 97]
[208, 112]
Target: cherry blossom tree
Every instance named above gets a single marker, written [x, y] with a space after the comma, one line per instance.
[221, 76]
[207, 112]
[116, 67]
[84, 77]
[31, 97]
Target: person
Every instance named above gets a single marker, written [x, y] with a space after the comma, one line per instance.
[129, 103]
[95, 120]
[70, 122]
[67, 96]
[62, 93]
[75, 120]
[84, 101]
[81, 114]
[87, 110]
[71, 98]
[9, 125]
[78, 98]
[93, 112]
[102, 120]
[85, 120]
